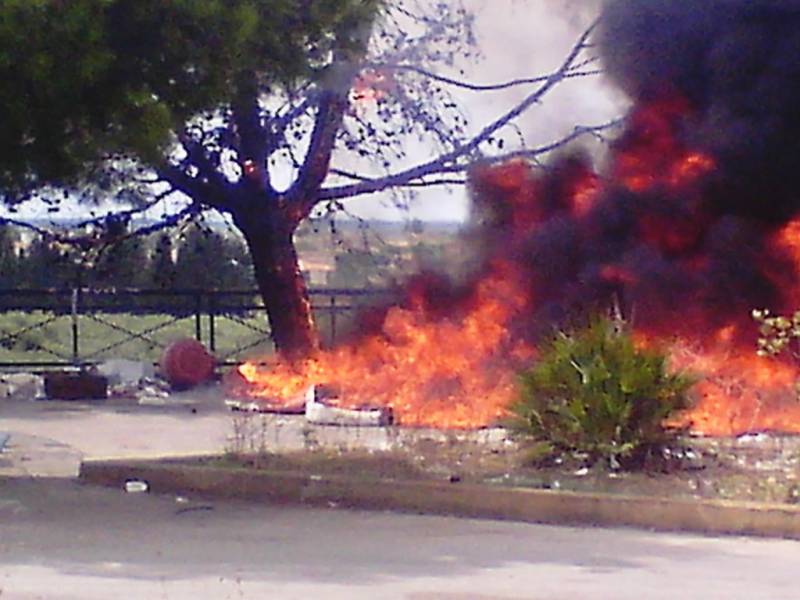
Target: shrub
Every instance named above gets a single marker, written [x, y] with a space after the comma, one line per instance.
[593, 392]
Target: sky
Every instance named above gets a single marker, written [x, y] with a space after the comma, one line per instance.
[517, 38]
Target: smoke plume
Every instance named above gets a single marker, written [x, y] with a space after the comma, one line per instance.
[683, 228]
[738, 63]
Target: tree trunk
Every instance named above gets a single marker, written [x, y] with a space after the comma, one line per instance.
[269, 231]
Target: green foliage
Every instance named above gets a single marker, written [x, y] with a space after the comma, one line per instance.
[9, 260]
[122, 265]
[592, 391]
[207, 260]
[163, 270]
[45, 265]
[87, 78]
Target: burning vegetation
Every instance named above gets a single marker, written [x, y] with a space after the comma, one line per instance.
[694, 222]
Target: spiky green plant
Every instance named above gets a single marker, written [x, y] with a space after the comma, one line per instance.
[593, 392]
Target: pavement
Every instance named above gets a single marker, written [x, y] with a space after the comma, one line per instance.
[46, 438]
[60, 540]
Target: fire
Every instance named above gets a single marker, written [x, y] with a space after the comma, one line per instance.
[652, 155]
[738, 392]
[646, 233]
[453, 372]
[372, 86]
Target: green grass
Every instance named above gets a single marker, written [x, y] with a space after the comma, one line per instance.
[44, 337]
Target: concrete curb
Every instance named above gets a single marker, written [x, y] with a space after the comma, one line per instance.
[455, 499]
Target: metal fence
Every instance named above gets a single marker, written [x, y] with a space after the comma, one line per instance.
[80, 326]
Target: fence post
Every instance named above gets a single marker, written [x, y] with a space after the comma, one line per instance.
[198, 316]
[76, 353]
[212, 333]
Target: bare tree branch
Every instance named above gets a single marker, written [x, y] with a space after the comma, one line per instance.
[448, 162]
[572, 73]
[411, 184]
[194, 187]
[331, 108]
[577, 132]
[279, 124]
[101, 237]
[326, 126]
[126, 214]
[251, 133]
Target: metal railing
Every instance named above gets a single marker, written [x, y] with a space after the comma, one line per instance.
[81, 326]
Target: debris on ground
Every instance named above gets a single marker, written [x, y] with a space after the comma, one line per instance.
[113, 379]
[248, 405]
[319, 411]
[319, 405]
[21, 386]
[152, 393]
[126, 373]
[195, 508]
[136, 486]
[75, 385]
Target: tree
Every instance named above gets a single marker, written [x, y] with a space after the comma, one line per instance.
[373, 88]
[46, 265]
[124, 264]
[163, 270]
[9, 258]
[204, 261]
[86, 79]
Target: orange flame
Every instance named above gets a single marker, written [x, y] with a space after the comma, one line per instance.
[738, 392]
[453, 373]
[460, 371]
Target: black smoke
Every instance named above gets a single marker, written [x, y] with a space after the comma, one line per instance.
[738, 63]
[680, 259]
[685, 259]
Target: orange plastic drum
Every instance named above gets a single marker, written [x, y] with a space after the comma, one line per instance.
[186, 363]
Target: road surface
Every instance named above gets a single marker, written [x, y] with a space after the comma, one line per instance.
[60, 540]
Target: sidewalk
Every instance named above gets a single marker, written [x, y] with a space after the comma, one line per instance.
[49, 439]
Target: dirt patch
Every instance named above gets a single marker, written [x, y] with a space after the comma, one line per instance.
[759, 467]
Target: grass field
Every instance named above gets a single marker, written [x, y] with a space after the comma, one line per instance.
[43, 336]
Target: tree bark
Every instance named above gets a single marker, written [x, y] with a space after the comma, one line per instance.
[268, 231]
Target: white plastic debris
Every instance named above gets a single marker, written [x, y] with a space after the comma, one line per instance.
[22, 385]
[242, 405]
[152, 395]
[136, 486]
[125, 372]
[752, 438]
[320, 413]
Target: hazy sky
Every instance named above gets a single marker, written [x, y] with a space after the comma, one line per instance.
[519, 38]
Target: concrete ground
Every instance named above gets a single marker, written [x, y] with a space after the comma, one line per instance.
[50, 438]
[63, 541]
